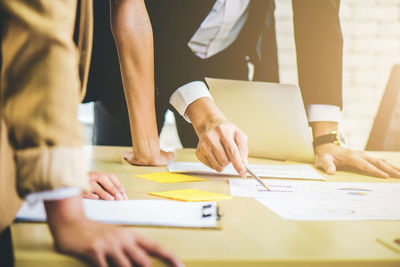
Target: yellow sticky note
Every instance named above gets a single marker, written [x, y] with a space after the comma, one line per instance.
[169, 177]
[190, 195]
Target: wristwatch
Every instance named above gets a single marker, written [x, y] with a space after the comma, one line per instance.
[333, 138]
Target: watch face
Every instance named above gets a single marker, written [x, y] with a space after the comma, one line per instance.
[341, 139]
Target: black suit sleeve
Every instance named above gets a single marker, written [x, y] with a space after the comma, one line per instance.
[319, 47]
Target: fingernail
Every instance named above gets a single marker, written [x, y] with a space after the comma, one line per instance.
[126, 196]
[119, 196]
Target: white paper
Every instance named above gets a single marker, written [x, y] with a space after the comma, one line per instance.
[295, 171]
[323, 201]
[332, 210]
[137, 212]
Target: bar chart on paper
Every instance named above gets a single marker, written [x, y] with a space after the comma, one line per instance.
[306, 200]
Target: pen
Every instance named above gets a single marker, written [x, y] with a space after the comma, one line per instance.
[257, 178]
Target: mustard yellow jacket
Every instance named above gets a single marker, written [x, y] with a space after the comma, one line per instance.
[43, 76]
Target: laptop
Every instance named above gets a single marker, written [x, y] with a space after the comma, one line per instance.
[271, 114]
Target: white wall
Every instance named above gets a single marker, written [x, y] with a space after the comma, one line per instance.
[371, 31]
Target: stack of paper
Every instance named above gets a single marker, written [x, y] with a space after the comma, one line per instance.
[296, 171]
[301, 200]
[138, 212]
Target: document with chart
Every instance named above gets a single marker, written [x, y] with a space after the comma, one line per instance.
[323, 201]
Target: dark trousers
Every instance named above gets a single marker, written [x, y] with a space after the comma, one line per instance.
[6, 251]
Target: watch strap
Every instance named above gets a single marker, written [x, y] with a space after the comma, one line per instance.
[331, 138]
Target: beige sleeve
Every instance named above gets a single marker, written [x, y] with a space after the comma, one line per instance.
[40, 92]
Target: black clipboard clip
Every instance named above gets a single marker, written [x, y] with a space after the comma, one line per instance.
[208, 211]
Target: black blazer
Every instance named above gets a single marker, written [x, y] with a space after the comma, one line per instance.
[318, 40]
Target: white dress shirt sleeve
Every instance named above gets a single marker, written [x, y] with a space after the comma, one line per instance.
[187, 94]
[53, 195]
[319, 112]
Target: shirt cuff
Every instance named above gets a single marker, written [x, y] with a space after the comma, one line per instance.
[187, 94]
[319, 112]
[51, 195]
[49, 168]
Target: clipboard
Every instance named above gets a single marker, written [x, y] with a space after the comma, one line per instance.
[145, 212]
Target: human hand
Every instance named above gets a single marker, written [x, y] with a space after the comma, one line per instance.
[329, 157]
[100, 244]
[222, 143]
[157, 159]
[105, 186]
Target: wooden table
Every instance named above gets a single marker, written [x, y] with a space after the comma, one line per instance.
[251, 234]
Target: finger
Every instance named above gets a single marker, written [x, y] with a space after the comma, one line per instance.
[119, 258]
[168, 155]
[392, 165]
[118, 185]
[218, 151]
[363, 165]
[233, 154]
[138, 255]
[128, 157]
[383, 166]
[241, 143]
[106, 182]
[202, 158]
[101, 192]
[98, 259]
[326, 163]
[90, 195]
[206, 151]
[157, 250]
[164, 158]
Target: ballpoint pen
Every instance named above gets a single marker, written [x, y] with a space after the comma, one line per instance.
[257, 178]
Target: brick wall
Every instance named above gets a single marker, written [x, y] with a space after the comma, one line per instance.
[371, 31]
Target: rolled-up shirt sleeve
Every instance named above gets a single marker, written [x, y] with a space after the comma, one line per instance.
[187, 94]
[321, 112]
[40, 92]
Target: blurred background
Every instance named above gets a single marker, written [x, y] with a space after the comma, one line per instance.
[371, 32]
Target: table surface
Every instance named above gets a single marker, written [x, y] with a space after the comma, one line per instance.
[251, 234]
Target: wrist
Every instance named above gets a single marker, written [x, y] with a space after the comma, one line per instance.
[64, 212]
[204, 114]
[145, 149]
[145, 140]
[320, 128]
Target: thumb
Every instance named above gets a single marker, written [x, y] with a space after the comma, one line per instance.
[170, 156]
[326, 163]
[127, 155]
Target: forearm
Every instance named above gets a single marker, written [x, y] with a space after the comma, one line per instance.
[65, 211]
[133, 36]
